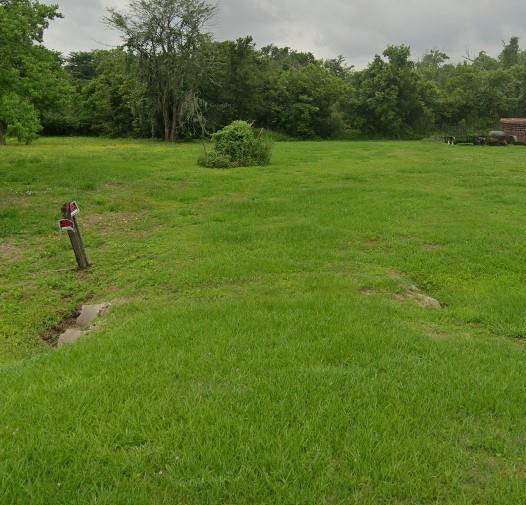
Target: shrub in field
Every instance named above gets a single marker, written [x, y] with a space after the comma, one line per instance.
[238, 145]
[215, 160]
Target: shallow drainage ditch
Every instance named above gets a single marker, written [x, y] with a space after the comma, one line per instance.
[79, 325]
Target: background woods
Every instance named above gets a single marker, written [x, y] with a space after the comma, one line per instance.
[171, 80]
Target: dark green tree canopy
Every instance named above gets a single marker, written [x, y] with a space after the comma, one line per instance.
[510, 55]
[31, 76]
[171, 80]
[168, 38]
[391, 98]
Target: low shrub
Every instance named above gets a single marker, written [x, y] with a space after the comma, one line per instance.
[215, 160]
[238, 145]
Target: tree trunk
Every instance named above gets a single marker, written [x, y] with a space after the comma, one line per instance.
[3, 133]
[166, 122]
[173, 130]
[166, 119]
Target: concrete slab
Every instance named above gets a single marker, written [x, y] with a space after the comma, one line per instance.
[89, 313]
[69, 336]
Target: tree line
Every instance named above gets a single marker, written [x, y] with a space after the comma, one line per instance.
[172, 80]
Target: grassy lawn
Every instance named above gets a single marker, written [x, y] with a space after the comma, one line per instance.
[265, 344]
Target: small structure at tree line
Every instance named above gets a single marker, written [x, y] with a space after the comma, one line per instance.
[512, 131]
[515, 127]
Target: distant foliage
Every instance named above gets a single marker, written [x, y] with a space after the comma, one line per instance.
[391, 98]
[238, 145]
[32, 80]
[280, 89]
[295, 95]
[111, 101]
[169, 41]
[21, 117]
[172, 80]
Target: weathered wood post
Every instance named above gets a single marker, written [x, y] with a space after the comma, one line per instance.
[69, 224]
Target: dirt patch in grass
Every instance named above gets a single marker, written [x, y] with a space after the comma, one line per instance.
[432, 247]
[11, 252]
[410, 291]
[407, 292]
[414, 294]
[75, 325]
[369, 292]
[21, 201]
[371, 243]
[440, 334]
[52, 335]
[109, 219]
[487, 466]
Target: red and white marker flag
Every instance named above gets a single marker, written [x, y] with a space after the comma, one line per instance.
[66, 225]
[74, 209]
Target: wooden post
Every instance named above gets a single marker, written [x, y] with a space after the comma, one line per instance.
[76, 239]
[3, 133]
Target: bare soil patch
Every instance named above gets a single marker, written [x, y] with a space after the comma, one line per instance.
[432, 247]
[371, 243]
[11, 252]
[408, 292]
[51, 336]
[76, 325]
[369, 292]
[420, 298]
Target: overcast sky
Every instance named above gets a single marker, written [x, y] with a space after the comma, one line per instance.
[357, 29]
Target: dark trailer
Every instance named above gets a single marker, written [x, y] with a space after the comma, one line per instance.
[477, 140]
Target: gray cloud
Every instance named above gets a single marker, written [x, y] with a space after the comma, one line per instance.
[357, 29]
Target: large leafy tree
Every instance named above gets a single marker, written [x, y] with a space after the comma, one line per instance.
[307, 101]
[167, 37]
[390, 97]
[111, 101]
[300, 95]
[31, 76]
[233, 87]
[276, 88]
[511, 53]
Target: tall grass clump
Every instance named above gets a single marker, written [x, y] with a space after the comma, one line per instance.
[238, 145]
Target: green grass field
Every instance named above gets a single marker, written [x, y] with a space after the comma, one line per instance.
[265, 345]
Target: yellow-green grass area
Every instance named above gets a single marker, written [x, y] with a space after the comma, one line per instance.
[265, 343]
